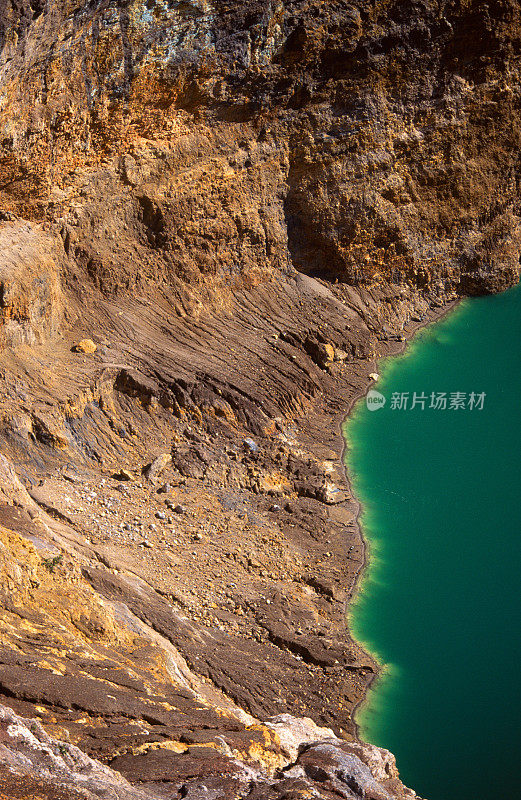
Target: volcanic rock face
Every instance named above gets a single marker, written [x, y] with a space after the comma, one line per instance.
[239, 207]
[356, 142]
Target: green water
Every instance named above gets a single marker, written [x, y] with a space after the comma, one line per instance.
[440, 604]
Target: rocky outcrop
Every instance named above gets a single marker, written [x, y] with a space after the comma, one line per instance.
[35, 763]
[31, 298]
[214, 219]
[354, 141]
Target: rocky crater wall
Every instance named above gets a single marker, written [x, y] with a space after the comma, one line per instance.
[214, 219]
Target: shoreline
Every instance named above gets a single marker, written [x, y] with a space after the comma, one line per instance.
[365, 565]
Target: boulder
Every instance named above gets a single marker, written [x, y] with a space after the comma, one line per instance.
[86, 346]
[155, 468]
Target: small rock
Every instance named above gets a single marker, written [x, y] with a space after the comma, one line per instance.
[329, 352]
[275, 508]
[156, 467]
[252, 446]
[322, 353]
[176, 507]
[165, 488]
[197, 537]
[160, 515]
[146, 543]
[123, 475]
[86, 346]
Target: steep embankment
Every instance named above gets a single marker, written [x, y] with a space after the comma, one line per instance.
[242, 205]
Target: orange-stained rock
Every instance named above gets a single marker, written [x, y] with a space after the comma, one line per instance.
[85, 346]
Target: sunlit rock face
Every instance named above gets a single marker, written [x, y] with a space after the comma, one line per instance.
[350, 140]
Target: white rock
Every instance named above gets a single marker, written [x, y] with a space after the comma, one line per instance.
[296, 731]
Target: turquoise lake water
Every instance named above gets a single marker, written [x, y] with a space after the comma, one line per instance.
[440, 603]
